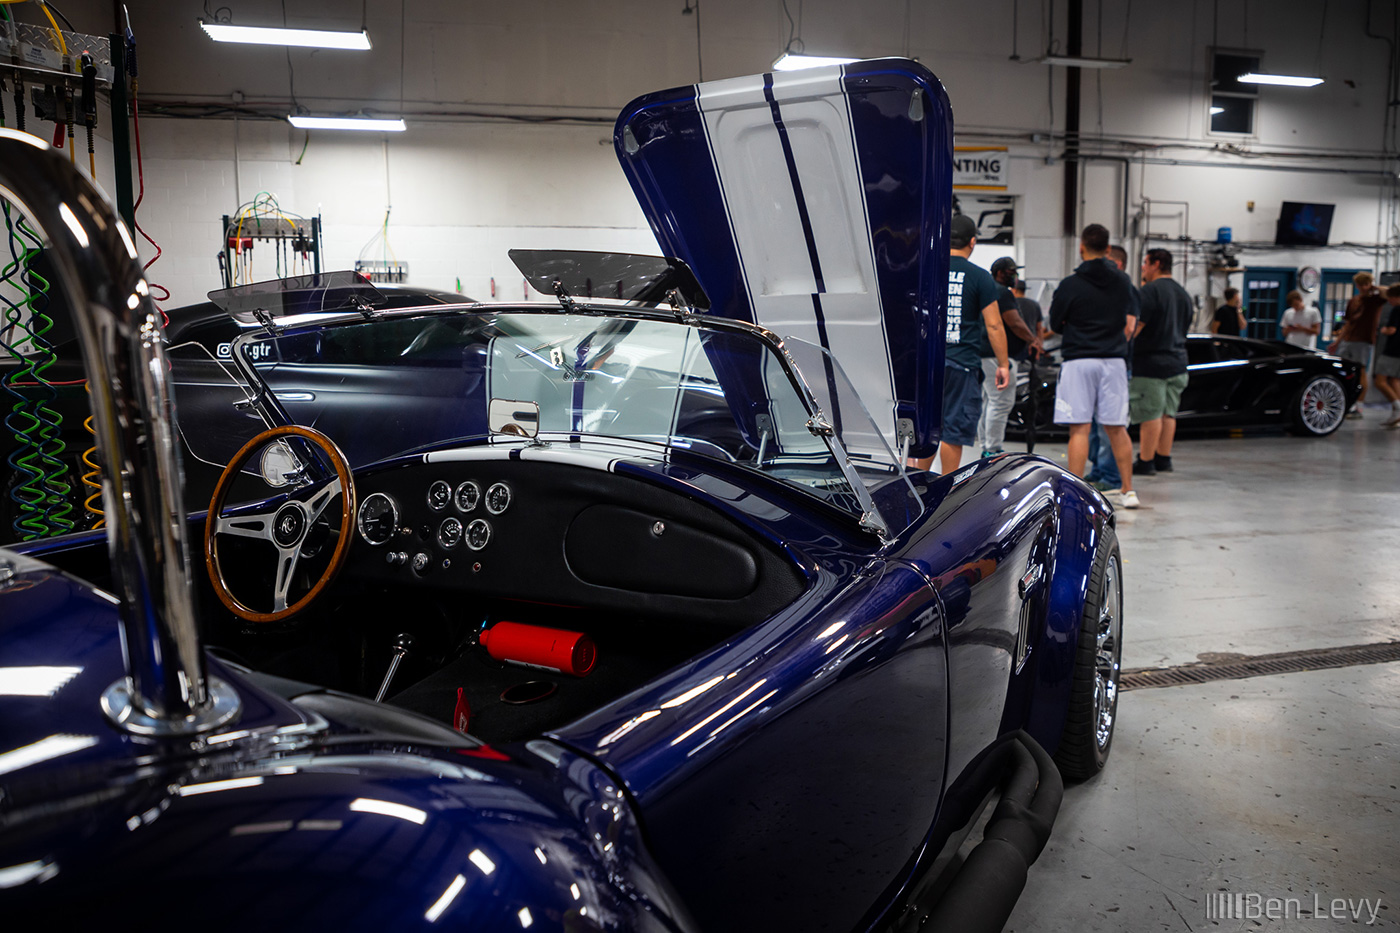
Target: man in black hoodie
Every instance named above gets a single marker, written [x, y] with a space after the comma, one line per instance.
[1093, 311]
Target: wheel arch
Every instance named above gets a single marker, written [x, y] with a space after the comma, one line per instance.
[1084, 517]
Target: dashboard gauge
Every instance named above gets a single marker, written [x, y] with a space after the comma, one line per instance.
[378, 518]
[449, 533]
[439, 494]
[497, 498]
[478, 534]
[466, 497]
[279, 464]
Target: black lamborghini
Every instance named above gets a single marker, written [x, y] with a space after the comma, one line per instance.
[1235, 382]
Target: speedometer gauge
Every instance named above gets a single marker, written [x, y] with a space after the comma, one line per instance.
[497, 498]
[466, 497]
[439, 494]
[379, 516]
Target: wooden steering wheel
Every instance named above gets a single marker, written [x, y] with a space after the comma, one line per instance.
[286, 526]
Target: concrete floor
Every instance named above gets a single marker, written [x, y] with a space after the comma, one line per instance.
[1281, 786]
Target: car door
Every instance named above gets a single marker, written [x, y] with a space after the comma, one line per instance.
[1216, 366]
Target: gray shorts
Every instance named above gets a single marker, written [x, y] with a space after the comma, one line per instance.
[1387, 366]
[1093, 388]
[1355, 350]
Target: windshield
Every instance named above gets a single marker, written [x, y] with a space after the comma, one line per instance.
[867, 448]
[403, 382]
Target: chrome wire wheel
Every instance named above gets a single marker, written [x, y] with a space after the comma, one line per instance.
[1091, 713]
[1322, 405]
[1108, 655]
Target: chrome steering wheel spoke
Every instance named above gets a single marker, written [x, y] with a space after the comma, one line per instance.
[258, 525]
[286, 567]
[317, 502]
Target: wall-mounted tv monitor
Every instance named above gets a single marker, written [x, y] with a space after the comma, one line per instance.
[1304, 224]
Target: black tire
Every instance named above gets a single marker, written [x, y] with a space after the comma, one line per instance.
[1318, 408]
[1093, 697]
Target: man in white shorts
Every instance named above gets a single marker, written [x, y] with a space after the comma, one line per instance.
[1092, 310]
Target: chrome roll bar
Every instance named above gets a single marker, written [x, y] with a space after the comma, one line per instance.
[165, 691]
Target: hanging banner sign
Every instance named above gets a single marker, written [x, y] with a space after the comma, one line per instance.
[980, 168]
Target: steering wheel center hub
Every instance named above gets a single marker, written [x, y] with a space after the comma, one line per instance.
[289, 525]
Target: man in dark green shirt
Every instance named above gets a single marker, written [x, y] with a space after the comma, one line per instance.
[972, 313]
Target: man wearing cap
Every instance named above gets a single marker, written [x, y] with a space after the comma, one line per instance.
[1020, 340]
[1093, 311]
[972, 314]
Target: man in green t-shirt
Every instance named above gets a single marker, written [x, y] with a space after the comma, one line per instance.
[972, 314]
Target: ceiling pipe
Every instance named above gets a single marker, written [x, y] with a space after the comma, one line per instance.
[1074, 48]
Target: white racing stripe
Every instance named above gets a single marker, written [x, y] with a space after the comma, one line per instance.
[766, 225]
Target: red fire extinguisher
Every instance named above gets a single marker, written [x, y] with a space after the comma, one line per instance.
[550, 649]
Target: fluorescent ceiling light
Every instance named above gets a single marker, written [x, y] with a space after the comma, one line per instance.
[347, 123]
[791, 61]
[1076, 61]
[1280, 80]
[279, 35]
[1215, 110]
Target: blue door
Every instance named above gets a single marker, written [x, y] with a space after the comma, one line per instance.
[1265, 299]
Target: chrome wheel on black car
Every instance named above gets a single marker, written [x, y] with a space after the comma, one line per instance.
[1093, 701]
[1319, 407]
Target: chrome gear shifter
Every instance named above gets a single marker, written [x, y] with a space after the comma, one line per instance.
[402, 644]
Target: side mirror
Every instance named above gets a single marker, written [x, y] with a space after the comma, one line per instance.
[508, 416]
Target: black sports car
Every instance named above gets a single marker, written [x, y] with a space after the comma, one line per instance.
[1235, 382]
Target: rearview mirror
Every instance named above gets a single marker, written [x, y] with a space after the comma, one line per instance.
[508, 416]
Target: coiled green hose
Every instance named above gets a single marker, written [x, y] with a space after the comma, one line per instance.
[42, 491]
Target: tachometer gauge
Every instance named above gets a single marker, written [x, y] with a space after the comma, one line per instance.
[478, 534]
[497, 498]
[378, 518]
[449, 533]
[439, 494]
[466, 497]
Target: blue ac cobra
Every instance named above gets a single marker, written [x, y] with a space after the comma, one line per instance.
[614, 611]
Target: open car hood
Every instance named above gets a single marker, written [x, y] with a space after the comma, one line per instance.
[815, 204]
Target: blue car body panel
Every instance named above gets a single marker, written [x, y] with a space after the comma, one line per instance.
[933, 620]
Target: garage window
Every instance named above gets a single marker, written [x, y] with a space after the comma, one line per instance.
[1232, 104]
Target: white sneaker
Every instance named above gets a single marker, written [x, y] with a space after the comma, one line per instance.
[1128, 499]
